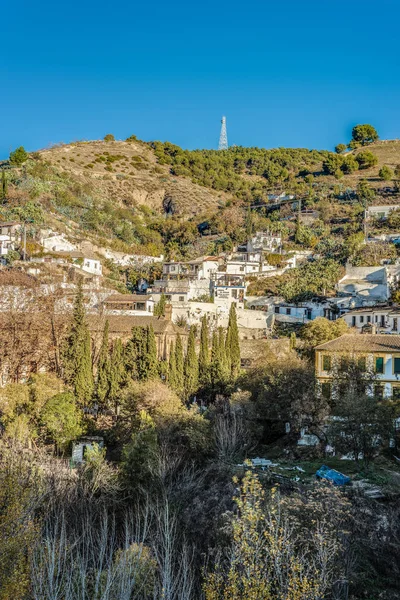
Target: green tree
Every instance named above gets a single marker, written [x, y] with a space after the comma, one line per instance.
[172, 375]
[349, 164]
[103, 368]
[232, 346]
[116, 373]
[340, 148]
[140, 456]
[332, 163]
[109, 137]
[366, 159]
[62, 419]
[179, 362]
[18, 156]
[364, 134]
[77, 359]
[204, 354]
[364, 192]
[4, 186]
[135, 353]
[191, 365]
[322, 330]
[386, 173]
[151, 358]
[159, 309]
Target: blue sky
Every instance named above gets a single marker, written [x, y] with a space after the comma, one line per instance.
[296, 73]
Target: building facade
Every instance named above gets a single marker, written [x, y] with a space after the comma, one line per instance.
[376, 354]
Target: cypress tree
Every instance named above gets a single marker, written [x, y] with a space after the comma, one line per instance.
[223, 358]
[232, 342]
[172, 375]
[191, 366]
[179, 364]
[135, 353]
[84, 383]
[77, 359]
[215, 366]
[103, 368]
[116, 372]
[151, 358]
[159, 309]
[4, 186]
[204, 354]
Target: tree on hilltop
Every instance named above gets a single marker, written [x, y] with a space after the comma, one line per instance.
[18, 156]
[364, 134]
[340, 148]
[109, 137]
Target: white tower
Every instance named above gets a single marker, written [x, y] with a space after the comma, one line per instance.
[223, 136]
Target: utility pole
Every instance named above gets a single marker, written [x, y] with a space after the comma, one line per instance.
[24, 241]
[223, 137]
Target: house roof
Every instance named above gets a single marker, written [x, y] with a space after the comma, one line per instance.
[362, 343]
[392, 309]
[76, 254]
[9, 223]
[122, 324]
[128, 298]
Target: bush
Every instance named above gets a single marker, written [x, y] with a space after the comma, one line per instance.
[366, 159]
[340, 148]
[386, 173]
[109, 137]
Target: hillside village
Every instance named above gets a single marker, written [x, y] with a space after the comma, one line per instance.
[156, 318]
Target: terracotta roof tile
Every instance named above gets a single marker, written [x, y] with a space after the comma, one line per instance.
[362, 343]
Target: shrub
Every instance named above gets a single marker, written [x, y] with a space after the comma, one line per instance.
[366, 159]
[340, 148]
[109, 137]
[386, 173]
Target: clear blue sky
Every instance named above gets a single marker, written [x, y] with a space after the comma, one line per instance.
[284, 72]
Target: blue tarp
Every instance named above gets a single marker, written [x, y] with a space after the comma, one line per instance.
[331, 475]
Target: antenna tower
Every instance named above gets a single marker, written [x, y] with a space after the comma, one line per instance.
[223, 136]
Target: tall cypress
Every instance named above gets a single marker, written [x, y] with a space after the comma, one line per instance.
[117, 371]
[84, 383]
[172, 375]
[159, 309]
[204, 354]
[103, 368]
[77, 358]
[4, 186]
[191, 366]
[151, 358]
[179, 364]
[232, 342]
[223, 357]
[135, 353]
[215, 366]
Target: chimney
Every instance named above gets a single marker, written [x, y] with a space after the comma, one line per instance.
[373, 329]
[168, 312]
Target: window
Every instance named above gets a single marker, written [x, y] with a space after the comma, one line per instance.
[376, 318]
[382, 320]
[379, 364]
[172, 268]
[362, 363]
[353, 321]
[395, 324]
[181, 298]
[396, 365]
[361, 319]
[241, 268]
[326, 363]
[234, 294]
[277, 310]
[368, 319]
[379, 391]
[326, 389]
[288, 311]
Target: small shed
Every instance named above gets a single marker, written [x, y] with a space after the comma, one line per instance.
[80, 446]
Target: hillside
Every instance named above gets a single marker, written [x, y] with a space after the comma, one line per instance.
[150, 198]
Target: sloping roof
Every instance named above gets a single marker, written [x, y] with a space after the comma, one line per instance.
[76, 254]
[392, 309]
[122, 324]
[362, 343]
[128, 298]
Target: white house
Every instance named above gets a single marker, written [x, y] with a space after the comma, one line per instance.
[200, 268]
[264, 241]
[370, 283]
[85, 261]
[6, 244]
[12, 229]
[385, 318]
